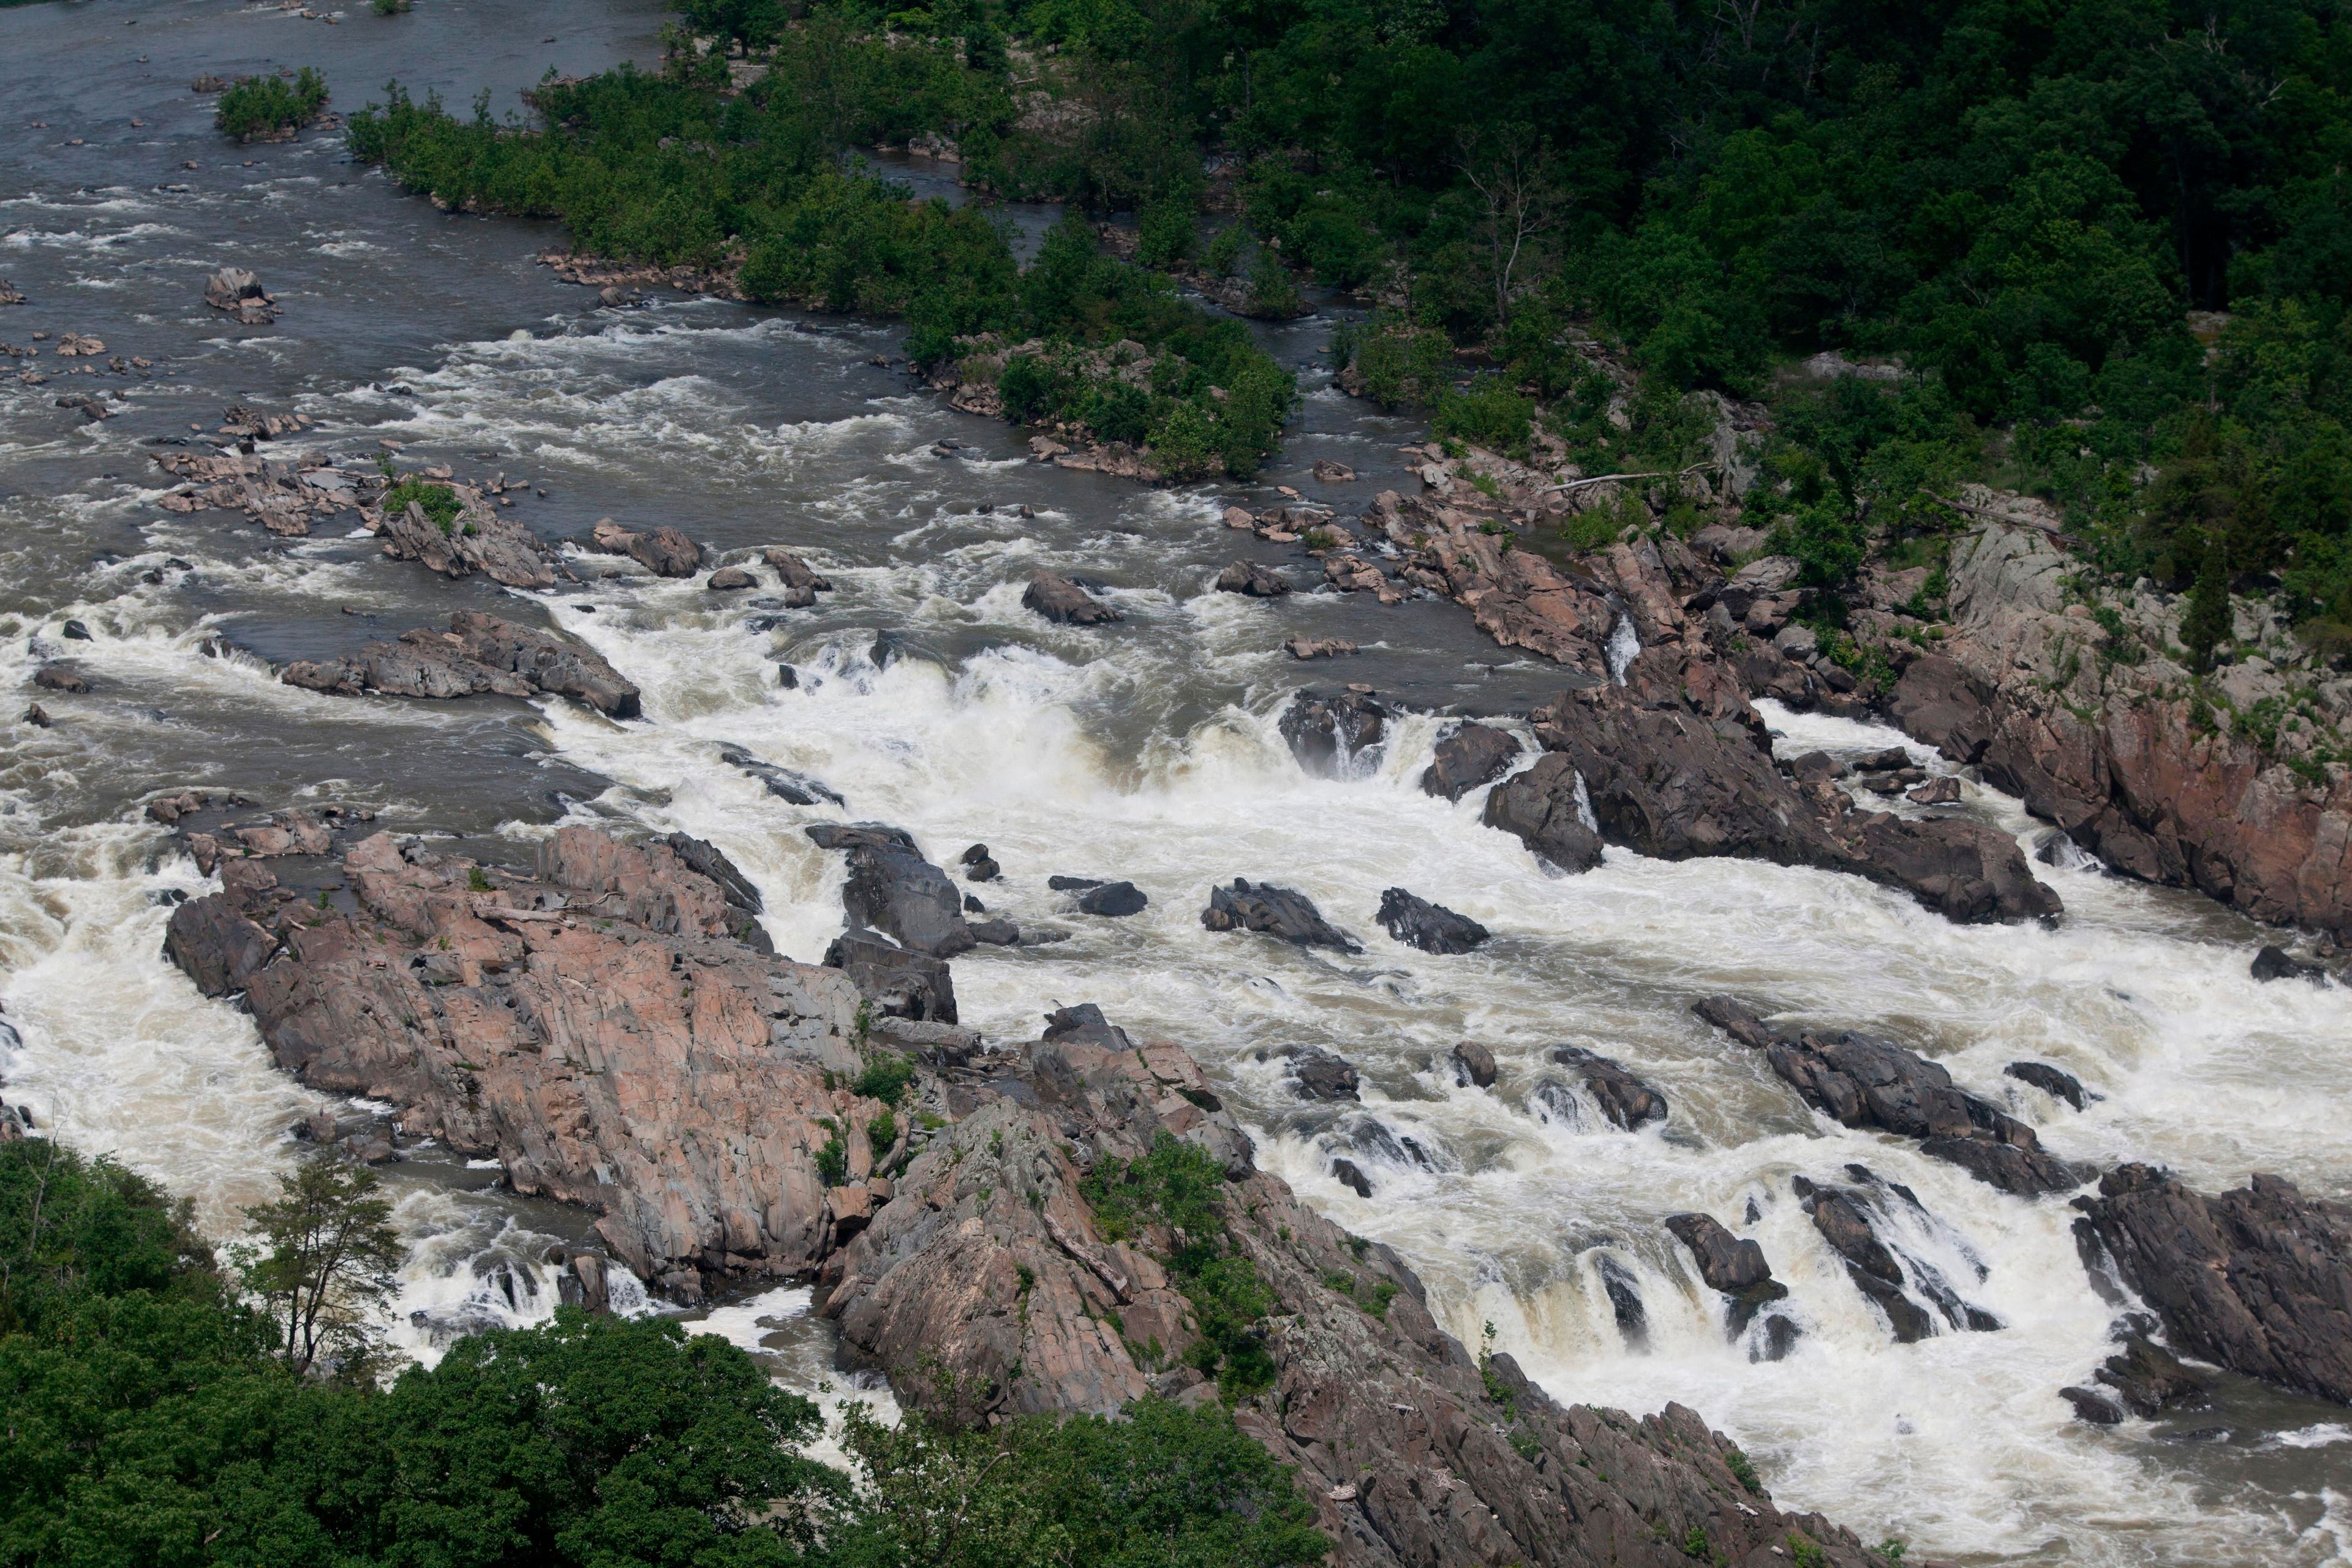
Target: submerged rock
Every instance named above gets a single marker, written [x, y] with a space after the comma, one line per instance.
[2274, 962]
[2052, 1081]
[1115, 900]
[1317, 1074]
[1474, 1065]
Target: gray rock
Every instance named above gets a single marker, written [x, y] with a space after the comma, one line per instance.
[1255, 581]
[1058, 599]
[1317, 1074]
[1624, 1099]
[2258, 1279]
[2052, 1081]
[1433, 928]
[1468, 756]
[727, 579]
[478, 654]
[1115, 900]
[1277, 911]
[1327, 731]
[2274, 962]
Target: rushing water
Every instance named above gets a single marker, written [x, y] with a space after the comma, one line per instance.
[1144, 750]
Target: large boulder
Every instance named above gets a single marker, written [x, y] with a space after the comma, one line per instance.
[2258, 1279]
[892, 888]
[1058, 599]
[1622, 1097]
[665, 550]
[1468, 756]
[1433, 928]
[1255, 581]
[1729, 1264]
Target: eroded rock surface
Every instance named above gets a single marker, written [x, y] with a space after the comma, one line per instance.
[665, 550]
[477, 653]
[1468, 756]
[1277, 911]
[596, 1027]
[2258, 1279]
[1412, 1456]
[1331, 732]
[1433, 928]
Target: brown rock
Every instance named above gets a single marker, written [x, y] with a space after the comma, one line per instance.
[1058, 599]
[486, 541]
[727, 579]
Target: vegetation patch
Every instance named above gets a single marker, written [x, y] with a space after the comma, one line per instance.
[257, 107]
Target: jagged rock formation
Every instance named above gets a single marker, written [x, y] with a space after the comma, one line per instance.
[1862, 1080]
[1328, 732]
[1277, 911]
[477, 653]
[1433, 928]
[597, 1027]
[1729, 1264]
[2258, 1279]
[1414, 1453]
[1467, 756]
[482, 540]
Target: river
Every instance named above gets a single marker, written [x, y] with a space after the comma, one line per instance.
[1145, 750]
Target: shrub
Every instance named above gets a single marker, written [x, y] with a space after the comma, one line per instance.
[1490, 415]
[259, 105]
[886, 1079]
[439, 502]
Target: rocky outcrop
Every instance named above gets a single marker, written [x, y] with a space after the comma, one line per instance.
[893, 890]
[477, 653]
[1516, 597]
[1066, 602]
[787, 784]
[1277, 911]
[1414, 1452]
[1433, 928]
[483, 540]
[1331, 732]
[895, 982]
[2258, 1279]
[1622, 1097]
[2093, 728]
[2143, 1378]
[284, 495]
[1469, 756]
[1729, 1264]
[1674, 764]
[595, 1027]
[238, 293]
[665, 550]
[1861, 1080]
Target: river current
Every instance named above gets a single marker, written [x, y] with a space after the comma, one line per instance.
[1145, 750]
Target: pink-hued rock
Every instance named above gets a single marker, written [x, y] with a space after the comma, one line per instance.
[598, 1029]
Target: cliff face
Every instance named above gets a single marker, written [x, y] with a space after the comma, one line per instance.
[2098, 730]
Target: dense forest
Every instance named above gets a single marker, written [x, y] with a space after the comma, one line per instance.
[2095, 249]
[161, 1410]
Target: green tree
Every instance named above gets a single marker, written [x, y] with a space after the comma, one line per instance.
[2205, 624]
[326, 1261]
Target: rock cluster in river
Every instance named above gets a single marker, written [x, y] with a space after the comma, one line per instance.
[477, 653]
[1861, 1080]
